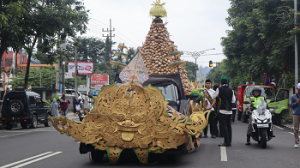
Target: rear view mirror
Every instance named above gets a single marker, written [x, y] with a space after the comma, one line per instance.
[246, 102]
[272, 100]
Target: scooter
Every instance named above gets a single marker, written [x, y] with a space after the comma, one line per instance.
[262, 127]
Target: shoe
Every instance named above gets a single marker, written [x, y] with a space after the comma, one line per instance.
[221, 136]
[205, 136]
[224, 144]
[248, 143]
[213, 136]
[296, 145]
[273, 135]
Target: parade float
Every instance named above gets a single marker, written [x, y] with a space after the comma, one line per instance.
[136, 115]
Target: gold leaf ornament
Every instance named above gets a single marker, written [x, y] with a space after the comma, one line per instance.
[158, 10]
[133, 117]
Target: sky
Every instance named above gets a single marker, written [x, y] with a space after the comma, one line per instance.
[194, 25]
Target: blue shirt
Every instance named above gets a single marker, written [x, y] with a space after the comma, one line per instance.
[294, 106]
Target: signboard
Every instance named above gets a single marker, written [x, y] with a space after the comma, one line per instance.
[98, 80]
[84, 68]
[68, 75]
[199, 76]
[94, 92]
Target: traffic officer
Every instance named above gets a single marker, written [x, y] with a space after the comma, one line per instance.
[257, 99]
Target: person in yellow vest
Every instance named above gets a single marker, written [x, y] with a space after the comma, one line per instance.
[256, 99]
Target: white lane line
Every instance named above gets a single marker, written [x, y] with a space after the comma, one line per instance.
[12, 135]
[278, 127]
[11, 164]
[13, 131]
[35, 160]
[223, 154]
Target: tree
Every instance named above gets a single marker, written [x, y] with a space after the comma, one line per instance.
[10, 29]
[258, 42]
[191, 70]
[44, 19]
[90, 49]
[42, 76]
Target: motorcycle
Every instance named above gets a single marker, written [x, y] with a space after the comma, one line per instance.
[262, 126]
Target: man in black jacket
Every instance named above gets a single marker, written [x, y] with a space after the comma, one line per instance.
[226, 95]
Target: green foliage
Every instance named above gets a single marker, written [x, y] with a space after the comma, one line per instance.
[198, 91]
[48, 102]
[42, 76]
[257, 43]
[191, 70]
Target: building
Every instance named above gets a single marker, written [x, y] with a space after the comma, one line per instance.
[7, 62]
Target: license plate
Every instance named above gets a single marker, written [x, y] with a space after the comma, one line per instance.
[262, 125]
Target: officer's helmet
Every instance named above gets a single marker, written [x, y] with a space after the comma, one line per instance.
[256, 89]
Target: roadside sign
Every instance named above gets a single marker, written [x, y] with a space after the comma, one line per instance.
[84, 68]
[98, 80]
[68, 75]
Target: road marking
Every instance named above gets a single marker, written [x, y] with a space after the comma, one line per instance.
[38, 159]
[11, 164]
[223, 154]
[278, 127]
[12, 135]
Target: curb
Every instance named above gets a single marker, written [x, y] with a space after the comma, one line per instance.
[289, 127]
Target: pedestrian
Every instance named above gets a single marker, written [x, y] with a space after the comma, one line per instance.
[64, 105]
[216, 108]
[233, 112]
[54, 108]
[295, 99]
[212, 119]
[227, 97]
[74, 104]
[78, 108]
[267, 81]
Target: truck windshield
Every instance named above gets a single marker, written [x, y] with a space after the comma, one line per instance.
[267, 92]
[167, 91]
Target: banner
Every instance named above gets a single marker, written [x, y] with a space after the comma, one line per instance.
[98, 80]
[84, 68]
[199, 75]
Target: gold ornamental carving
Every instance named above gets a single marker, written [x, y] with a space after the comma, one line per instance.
[135, 117]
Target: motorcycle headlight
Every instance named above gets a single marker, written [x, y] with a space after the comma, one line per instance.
[266, 120]
[258, 121]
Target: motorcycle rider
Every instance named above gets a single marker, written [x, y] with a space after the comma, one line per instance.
[257, 99]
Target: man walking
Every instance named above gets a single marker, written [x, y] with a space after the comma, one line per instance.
[295, 99]
[227, 97]
[64, 105]
[208, 94]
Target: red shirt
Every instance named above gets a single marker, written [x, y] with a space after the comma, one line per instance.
[64, 104]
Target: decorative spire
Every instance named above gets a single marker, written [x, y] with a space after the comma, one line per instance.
[158, 10]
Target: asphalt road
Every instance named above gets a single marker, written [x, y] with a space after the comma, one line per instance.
[46, 148]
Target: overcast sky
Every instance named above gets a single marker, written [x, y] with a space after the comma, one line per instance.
[194, 25]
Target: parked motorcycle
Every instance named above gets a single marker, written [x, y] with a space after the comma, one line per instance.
[262, 126]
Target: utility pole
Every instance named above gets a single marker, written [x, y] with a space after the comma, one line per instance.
[110, 36]
[76, 88]
[296, 45]
[196, 55]
[63, 46]
[57, 68]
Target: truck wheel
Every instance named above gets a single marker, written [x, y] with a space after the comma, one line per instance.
[15, 106]
[97, 156]
[9, 126]
[34, 121]
[239, 115]
[263, 140]
[47, 122]
[24, 125]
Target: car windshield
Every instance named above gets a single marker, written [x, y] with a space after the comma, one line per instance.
[267, 92]
[168, 92]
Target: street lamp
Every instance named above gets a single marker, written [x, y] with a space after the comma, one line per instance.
[196, 55]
